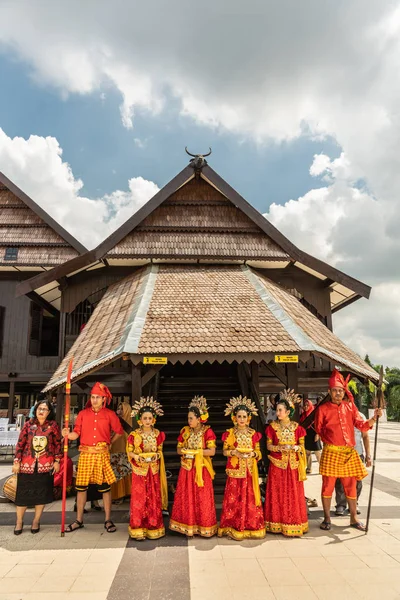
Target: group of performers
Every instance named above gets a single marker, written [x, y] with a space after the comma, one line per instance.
[193, 511]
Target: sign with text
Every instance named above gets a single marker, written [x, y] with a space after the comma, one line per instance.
[286, 358]
[155, 360]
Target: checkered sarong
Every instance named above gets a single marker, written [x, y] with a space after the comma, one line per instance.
[341, 461]
[94, 466]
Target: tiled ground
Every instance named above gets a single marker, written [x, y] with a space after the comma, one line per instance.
[91, 564]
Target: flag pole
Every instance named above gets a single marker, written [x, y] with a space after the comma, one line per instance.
[379, 404]
[66, 424]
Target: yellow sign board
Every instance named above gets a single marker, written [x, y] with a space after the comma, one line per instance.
[286, 358]
[155, 360]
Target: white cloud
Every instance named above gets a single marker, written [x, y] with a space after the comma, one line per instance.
[347, 227]
[36, 166]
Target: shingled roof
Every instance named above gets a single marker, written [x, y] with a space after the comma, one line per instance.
[199, 217]
[29, 237]
[199, 313]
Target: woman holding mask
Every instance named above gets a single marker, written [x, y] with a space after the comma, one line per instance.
[37, 458]
[193, 512]
[285, 505]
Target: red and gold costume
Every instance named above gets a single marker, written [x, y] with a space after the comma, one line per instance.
[242, 514]
[193, 511]
[95, 432]
[335, 424]
[149, 485]
[285, 505]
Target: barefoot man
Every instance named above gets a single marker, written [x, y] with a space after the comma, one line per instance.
[98, 427]
[334, 423]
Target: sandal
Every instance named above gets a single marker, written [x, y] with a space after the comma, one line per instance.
[70, 528]
[311, 502]
[358, 525]
[109, 526]
[325, 525]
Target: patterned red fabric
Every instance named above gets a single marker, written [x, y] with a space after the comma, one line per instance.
[95, 427]
[335, 423]
[239, 510]
[194, 506]
[285, 507]
[25, 453]
[145, 509]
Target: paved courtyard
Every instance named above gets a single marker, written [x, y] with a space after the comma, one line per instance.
[92, 565]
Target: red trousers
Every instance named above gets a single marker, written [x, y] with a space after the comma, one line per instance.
[349, 486]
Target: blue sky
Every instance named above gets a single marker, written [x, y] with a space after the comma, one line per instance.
[303, 100]
[104, 154]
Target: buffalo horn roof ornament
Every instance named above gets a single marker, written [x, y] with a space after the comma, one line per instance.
[198, 161]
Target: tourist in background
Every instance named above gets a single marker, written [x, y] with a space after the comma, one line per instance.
[119, 461]
[312, 442]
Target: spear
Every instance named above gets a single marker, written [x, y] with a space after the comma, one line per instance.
[379, 403]
[66, 424]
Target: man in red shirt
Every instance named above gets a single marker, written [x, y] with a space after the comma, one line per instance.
[334, 423]
[95, 426]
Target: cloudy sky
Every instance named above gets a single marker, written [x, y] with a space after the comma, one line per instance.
[299, 101]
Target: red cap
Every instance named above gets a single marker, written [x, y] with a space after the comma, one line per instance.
[337, 380]
[99, 389]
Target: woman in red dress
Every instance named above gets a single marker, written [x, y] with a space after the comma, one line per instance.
[149, 483]
[193, 512]
[285, 504]
[242, 514]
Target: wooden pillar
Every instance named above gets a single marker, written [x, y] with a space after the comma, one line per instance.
[292, 376]
[11, 399]
[292, 383]
[60, 406]
[255, 376]
[136, 383]
[61, 337]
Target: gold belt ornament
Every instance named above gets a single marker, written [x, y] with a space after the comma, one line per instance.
[101, 448]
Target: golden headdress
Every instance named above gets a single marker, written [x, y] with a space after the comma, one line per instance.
[147, 404]
[200, 403]
[240, 403]
[291, 398]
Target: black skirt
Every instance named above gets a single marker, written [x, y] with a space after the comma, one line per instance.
[33, 489]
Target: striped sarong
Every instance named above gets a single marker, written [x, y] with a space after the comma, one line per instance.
[94, 466]
[341, 461]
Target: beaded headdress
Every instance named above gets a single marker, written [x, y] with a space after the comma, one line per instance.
[147, 404]
[238, 403]
[200, 403]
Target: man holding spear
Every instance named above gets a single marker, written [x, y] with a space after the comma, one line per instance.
[334, 423]
[95, 425]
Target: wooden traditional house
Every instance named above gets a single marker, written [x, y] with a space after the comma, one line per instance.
[30, 242]
[197, 293]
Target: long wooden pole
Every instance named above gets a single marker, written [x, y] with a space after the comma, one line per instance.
[66, 424]
[379, 395]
